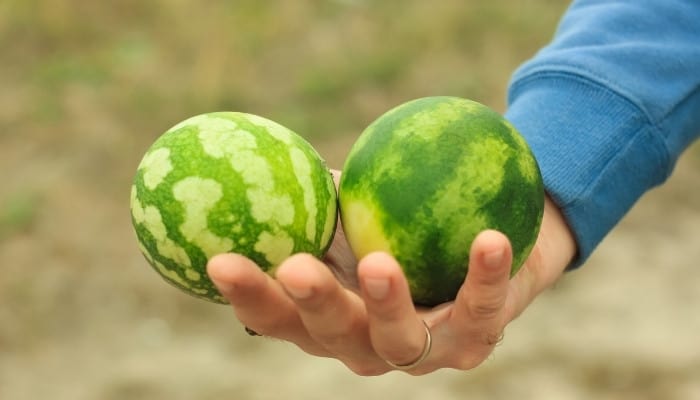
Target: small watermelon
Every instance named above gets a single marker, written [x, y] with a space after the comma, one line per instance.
[229, 182]
[426, 177]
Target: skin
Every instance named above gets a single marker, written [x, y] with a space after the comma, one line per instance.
[361, 313]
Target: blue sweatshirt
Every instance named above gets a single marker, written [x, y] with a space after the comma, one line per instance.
[609, 105]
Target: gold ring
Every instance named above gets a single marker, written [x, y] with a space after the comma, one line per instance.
[426, 350]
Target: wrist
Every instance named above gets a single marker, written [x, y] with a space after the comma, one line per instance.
[555, 249]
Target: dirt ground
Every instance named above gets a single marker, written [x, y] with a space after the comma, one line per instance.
[87, 86]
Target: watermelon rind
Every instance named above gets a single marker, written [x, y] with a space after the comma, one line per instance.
[229, 182]
[426, 177]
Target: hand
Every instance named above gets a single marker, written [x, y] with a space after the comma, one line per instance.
[370, 318]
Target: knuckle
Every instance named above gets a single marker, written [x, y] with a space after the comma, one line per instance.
[482, 306]
[493, 278]
[481, 310]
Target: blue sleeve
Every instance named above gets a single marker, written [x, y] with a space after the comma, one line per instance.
[609, 105]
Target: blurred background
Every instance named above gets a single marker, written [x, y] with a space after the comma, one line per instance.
[85, 87]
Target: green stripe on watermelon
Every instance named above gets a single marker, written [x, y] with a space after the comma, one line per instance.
[425, 178]
[229, 182]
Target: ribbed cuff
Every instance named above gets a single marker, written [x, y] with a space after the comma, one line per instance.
[597, 150]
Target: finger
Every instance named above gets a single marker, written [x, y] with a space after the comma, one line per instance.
[258, 301]
[333, 316]
[478, 314]
[397, 332]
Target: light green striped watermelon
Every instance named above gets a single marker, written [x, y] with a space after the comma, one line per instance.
[229, 182]
[426, 177]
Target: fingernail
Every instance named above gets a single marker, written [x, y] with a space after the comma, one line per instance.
[494, 258]
[300, 293]
[377, 288]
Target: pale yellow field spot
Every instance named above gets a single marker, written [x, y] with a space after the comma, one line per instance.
[364, 227]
